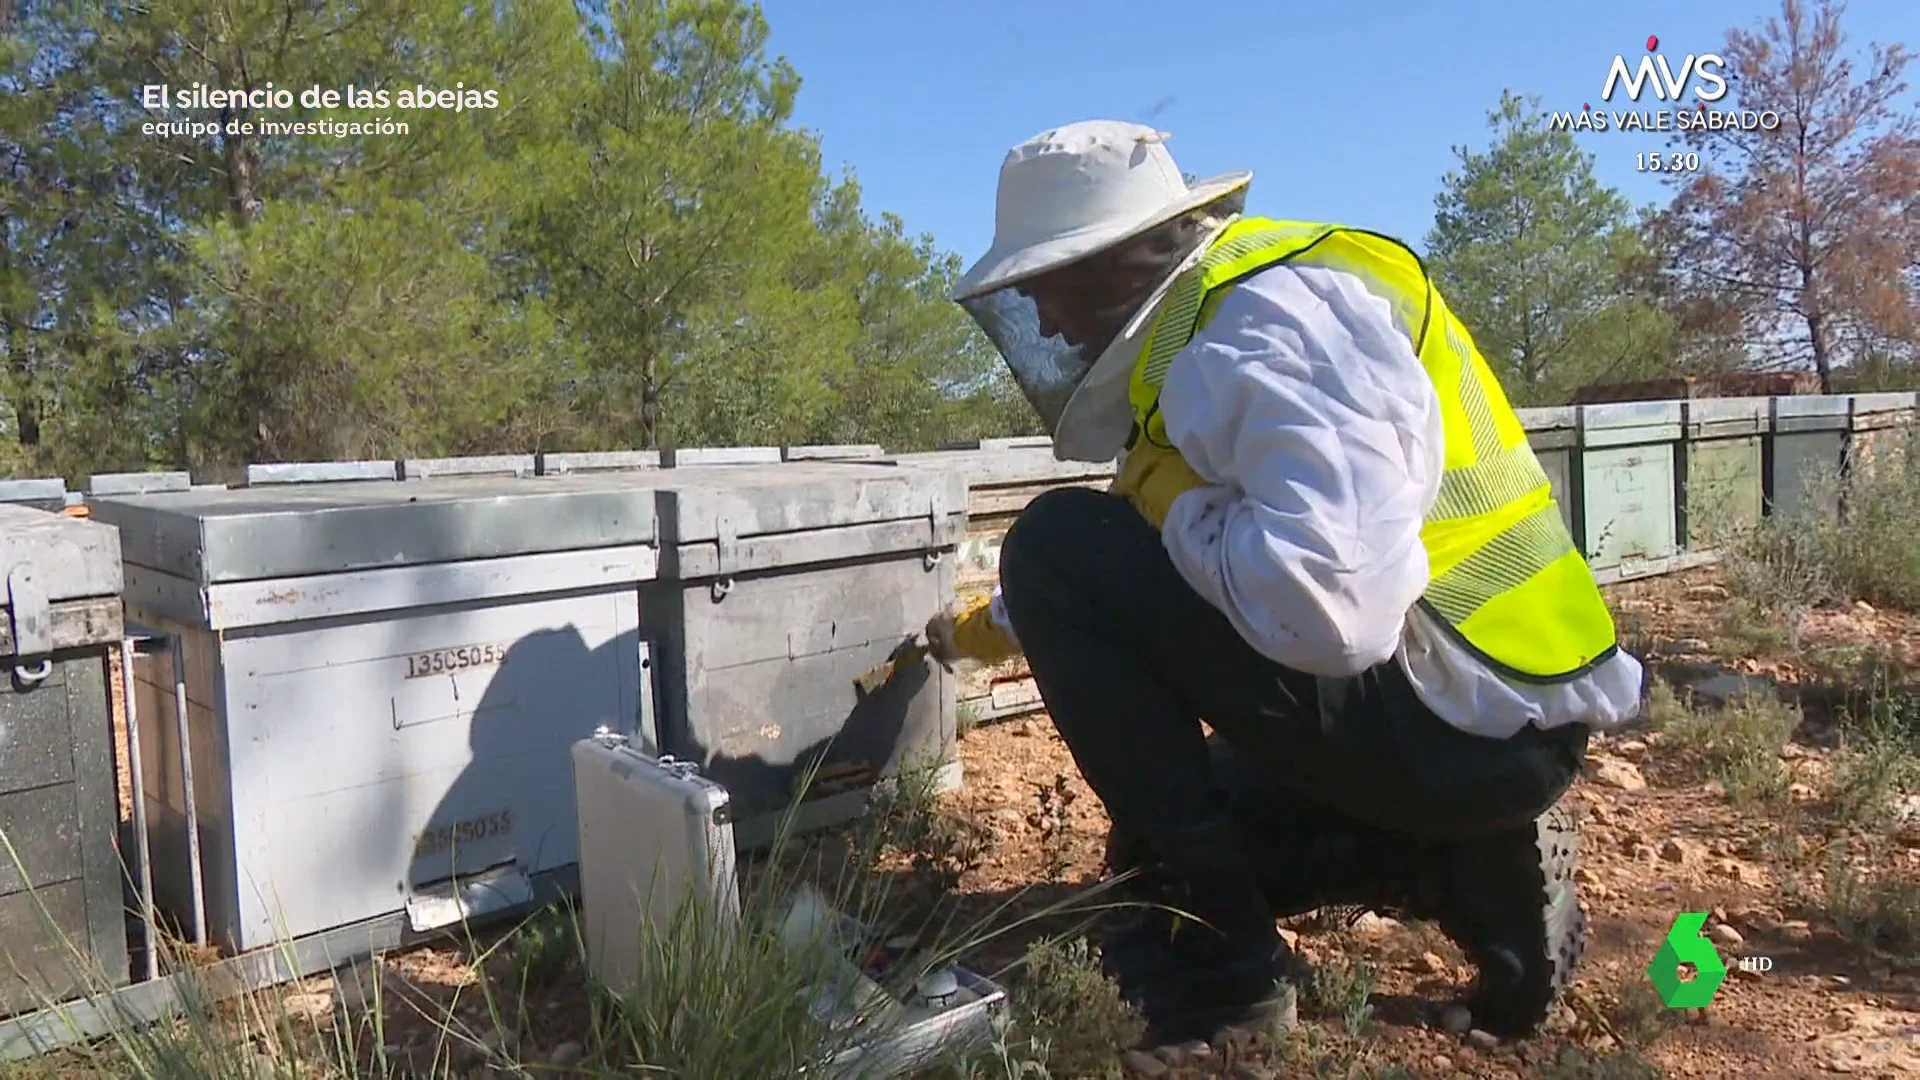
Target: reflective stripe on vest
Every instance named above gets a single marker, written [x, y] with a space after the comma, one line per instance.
[1506, 577]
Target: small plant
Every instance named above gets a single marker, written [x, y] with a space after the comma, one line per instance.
[1740, 746]
[1638, 1018]
[1877, 761]
[966, 717]
[544, 949]
[1055, 824]
[1574, 1064]
[1068, 1016]
[1667, 709]
[1776, 573]
[1873, 909]
[1327, 1055]
[940, 847]
[1340, 991]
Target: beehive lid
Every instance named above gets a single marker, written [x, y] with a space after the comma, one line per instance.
[1883, 410]
[994, 466]
[60, 582]
[1811, 413]
[1709, 417]
[733, 519]
[293, 530]
[1630, 422]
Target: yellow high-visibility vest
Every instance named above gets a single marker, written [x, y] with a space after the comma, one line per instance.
[1506, 577]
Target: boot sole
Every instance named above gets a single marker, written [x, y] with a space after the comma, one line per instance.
[1558, 838]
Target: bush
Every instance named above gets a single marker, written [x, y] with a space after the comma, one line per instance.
[1877, 759]
[1875, 909]
[1068, 1017]
[1789, 563]
[1740, 745]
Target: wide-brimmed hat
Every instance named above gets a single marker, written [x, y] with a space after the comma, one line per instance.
[1075, 190]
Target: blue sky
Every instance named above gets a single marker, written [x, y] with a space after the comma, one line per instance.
[1344, 112]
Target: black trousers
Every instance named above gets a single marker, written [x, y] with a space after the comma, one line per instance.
[1129, 660]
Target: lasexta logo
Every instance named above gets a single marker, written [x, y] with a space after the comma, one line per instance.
[1684, 945]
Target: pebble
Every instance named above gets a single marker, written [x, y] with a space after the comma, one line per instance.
[1726, 935]
[1442, 1063]
[1482, 1040]
[1800, 792]
[567, 1053]
[1676, 850]
[1456, 1019]
[1432, 963]
[1691, 646]
[1619, 774]
[1373, 924]
[1141, 1063]
[1633, 747]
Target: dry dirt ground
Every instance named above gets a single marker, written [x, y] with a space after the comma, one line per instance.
[1657, 840]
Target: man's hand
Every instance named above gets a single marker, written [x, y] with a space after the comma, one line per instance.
[969, 634]
[940, 641]
[1152, 477]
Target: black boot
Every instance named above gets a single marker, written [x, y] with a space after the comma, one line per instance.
[1217, 964]
[1510, 905]
[1506, 899]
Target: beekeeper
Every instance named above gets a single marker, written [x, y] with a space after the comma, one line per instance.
[1329, 539]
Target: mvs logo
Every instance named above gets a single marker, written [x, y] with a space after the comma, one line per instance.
[1656, 74]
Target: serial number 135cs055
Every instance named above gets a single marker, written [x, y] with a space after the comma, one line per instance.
[470, 831]
[442, 661]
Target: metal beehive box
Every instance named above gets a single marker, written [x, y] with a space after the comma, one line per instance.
[382, 680]
[1881, 424]
[1553, 434]
[1628, 488]
[48, 493]
[1809, 443]
[779, 585]
[1725, 462]
[60, 883]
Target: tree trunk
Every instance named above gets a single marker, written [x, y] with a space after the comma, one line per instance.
[26, 415]
[649, 406]
[1822, 362]
[242, 160]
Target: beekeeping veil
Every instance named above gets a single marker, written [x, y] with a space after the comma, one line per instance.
[1092, 223]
